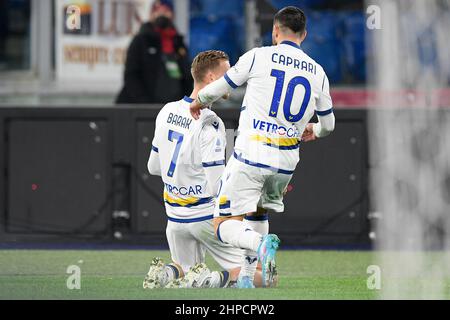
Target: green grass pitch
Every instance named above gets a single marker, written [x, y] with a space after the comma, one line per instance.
[118, 274]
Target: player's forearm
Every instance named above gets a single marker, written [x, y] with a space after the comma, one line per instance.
[153, 165]
[325, 125]
[213, 92]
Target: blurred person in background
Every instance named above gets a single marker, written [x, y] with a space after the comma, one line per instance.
[157, 67]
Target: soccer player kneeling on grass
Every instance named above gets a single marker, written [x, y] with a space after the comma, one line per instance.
[190, 157]
[284, 89]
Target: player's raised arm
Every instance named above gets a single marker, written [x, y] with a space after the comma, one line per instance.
[235, 77]
[208, 95]
[325, 115]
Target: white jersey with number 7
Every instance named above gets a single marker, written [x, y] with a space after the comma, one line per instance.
[186, 148]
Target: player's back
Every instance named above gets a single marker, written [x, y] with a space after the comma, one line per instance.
[177, 141]
[284, 87]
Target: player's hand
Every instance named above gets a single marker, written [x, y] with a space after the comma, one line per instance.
[308, 135]
[195, 109]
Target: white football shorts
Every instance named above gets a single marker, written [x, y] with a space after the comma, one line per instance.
[188, 243]
[245, 187]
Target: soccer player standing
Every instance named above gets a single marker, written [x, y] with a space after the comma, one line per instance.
[284, 89]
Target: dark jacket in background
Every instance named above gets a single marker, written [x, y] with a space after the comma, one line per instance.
[146, 79]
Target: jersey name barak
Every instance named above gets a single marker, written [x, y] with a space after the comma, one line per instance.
[179, 121]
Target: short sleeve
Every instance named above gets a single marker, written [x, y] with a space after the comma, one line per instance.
[155, 141]
[324, 104]
[212, 144]
[241, 71]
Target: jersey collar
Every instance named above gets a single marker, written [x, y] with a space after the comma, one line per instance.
[188, 99]
[290, 43]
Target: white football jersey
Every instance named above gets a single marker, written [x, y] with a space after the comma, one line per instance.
[284, 89]
[185, 147]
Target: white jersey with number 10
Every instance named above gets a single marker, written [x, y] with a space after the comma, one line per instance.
[284, 89]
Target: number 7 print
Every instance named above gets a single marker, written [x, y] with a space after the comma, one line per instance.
[179, 137]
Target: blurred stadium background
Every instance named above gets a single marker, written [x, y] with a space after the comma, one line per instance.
[73, 165]
[86, 175]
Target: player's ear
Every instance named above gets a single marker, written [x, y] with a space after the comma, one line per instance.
[210, 77]
[276, 29]
[303, 37]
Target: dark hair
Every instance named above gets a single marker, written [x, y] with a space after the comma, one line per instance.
[206, 61]
[292, 18]
[159, 3]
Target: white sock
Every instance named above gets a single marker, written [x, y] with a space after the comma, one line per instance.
[258, 223]
[249, 264]
[239, 235]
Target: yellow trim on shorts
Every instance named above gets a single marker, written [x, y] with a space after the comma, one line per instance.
[223, 200]
[281, 142]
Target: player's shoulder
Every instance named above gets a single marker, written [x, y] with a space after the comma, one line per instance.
[169, 106]
[258, 56]
[252, 53]
[262, 50]
[209, 118]
[308, 58]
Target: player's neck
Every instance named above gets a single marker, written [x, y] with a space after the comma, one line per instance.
[195, 91]
[197, 88]
[295, 40]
